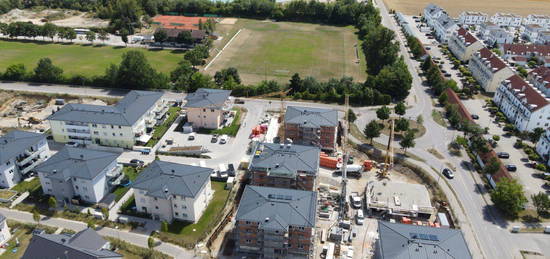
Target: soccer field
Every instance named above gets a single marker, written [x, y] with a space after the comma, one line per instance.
[276, 50]
[78, 59]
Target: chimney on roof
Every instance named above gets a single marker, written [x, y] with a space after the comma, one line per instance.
[54, 171]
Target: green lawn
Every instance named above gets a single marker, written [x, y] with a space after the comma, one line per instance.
[24, 186]
[230, 130]
[24, 236]
[159, 131]
[182, 232]
[78, 59]
[132, 174]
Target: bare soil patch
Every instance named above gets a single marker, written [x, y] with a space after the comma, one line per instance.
[60, 17]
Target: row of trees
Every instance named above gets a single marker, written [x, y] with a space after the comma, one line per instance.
[374, 128]
[48, 30]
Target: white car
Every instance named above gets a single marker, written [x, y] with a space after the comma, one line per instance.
[359, 217]
[224, 139]
[72, 144]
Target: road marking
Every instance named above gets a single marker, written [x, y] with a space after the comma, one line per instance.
[220, 52]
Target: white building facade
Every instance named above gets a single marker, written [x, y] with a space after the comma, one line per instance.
[206, 108]
[472, 18]
[522, 104]
[540, 78]
[541, 20]
[506, 19]
[20, 153]
[463, 44]
[432, 12]
[5, 234]
[444, 27]
[543, 146]
[531, 32]
[488, 69]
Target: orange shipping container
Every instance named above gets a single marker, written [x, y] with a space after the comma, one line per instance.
[329, 162]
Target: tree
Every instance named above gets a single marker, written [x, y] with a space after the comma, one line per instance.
[401, 124]
[426, 64]
[160, 36]
[442, 99]
[400, 108]
[52, 202]
[351, 116]
[184, 37]
[508, 196]
[492, 166]
[227, 74]
[3, 28]
[135, 72]
[541, 202]
[46, 72]
[90, 36]
[199, 80]
[380, 49]
[164, 226]
[296, 84]
[383, 113]
[182, 74]
[194, 56]
[70, 34]
[124, 36]
[151, 242]
[49, 30]
[536, 134]
[105, 213]
[372, 130]
[15, 72]
[407, 141]
[103, 36]
[36, 216]
[90, 224]
[394, 79]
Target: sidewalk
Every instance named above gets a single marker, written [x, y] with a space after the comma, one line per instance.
[131, 237]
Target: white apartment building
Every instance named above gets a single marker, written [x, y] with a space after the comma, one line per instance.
[531, 32]
[444, 27]
[540, 78]
[432, 12]
[81, 174]
[543, 38]
[488, 69]
[169, 191]
[522, 104]
[506, 19]
[499, 36]
[472, 18]
[20, 153]
[206, 108]
[125, 124]
[5, 234]
[543, 146]
[463, 44]
[541, 20]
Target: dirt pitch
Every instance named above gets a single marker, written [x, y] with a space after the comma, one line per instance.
[276, 50]
[454, 8]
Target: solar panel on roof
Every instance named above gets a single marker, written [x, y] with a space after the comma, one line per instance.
[421, 236]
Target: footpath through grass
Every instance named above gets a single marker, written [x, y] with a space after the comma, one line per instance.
[78, 59]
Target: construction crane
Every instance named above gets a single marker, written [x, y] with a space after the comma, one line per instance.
[343, 195]
[388, 161]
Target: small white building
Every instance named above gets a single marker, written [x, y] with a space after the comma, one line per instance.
[77, 173]
[489, 69]
[5, 234]
[463, 44]
[540, 78]
[522, 104]
[206, 108]
[20, 153]
[169, 191]
[472, 18]
[541, 20]
[432, 12]
[506, 19]
[543, 146]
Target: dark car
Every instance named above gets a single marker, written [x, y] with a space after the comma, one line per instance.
[137, 162]
[511, 168]
[214, 138]
[503, 155]
[475, 117]
[231, 170]
[448, 173]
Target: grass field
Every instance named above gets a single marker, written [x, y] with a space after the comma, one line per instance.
[454, 8]
[277, 50]
[78, 59]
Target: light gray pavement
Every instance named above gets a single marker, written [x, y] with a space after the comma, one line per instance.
[139, 239]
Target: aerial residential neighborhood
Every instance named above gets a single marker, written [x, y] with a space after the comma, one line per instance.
[274, 129]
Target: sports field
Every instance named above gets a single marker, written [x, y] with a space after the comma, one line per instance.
[454, 8]
[78, 59]
[276, 50]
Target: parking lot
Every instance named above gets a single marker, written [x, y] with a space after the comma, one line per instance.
[527, 176]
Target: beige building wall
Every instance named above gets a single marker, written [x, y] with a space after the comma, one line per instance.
[498, 77]
[205, 117]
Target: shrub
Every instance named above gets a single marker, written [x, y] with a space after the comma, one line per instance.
[496, 138]
[541, 167]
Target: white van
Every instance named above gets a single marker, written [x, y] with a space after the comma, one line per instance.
[359, 217]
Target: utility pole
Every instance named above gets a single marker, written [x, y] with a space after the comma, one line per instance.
[343, 195]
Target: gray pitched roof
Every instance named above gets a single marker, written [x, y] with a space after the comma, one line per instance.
[205, 97]
[285, 159]
[86, 244]
[402, 241]
[16, 142]
[162, 179]
[125, 113]
[311, 117]
[76, 162]
[2, 218]
[276, 208]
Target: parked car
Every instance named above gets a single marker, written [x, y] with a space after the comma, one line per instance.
[136, 162]
[447, 75]
[191, 136]
[359, 218]
[475, 117]
[428, 48]
[72, 144]
[511, 168]
[504, 155]
[214, 138]
[448, 173]
[224, 139]
[231, 170]
[355, 200]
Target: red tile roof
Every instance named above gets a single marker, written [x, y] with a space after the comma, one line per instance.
[519, 58]
[179, 22]
[468, 38]
[494, 60]
[524, 49]
[544, 73]
[454, 99]
[530, 97]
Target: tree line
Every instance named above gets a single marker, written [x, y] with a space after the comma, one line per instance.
[50, 30]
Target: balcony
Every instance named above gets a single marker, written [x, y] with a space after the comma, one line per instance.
[25, 168]
[115, 172]
[27, 158]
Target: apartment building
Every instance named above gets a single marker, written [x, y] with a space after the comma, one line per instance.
[170, 191]
[506, 19]
[312, 126]
[540, 78]
[5, 234]
[276, 223]
[472, 18]
[543, 37]
[432, 12]
[207, 108]
[543, 146]
[522, 104]
[81, 174]
[531, 32]
[541, 20]
[541, 52]
[86, 244]
[463, 44]
[488, 69]
[444, 26]
[285, 166]
[20, 153]
[125, 124]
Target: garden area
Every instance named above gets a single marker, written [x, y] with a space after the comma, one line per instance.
[131, 174]
[230, 130]
[161, 129]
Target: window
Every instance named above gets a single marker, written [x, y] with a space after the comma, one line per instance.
[248, 241]
[96, 132]
[175, 205]
[157, 207]
[8, 163]
[301, 246]
[76, 187]
[155, 198]
[94, 125]
[114, 134]
[204, 110]
[120, 127]
[211, 110]
[121, 134]
[177, 214]
[112, 126]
